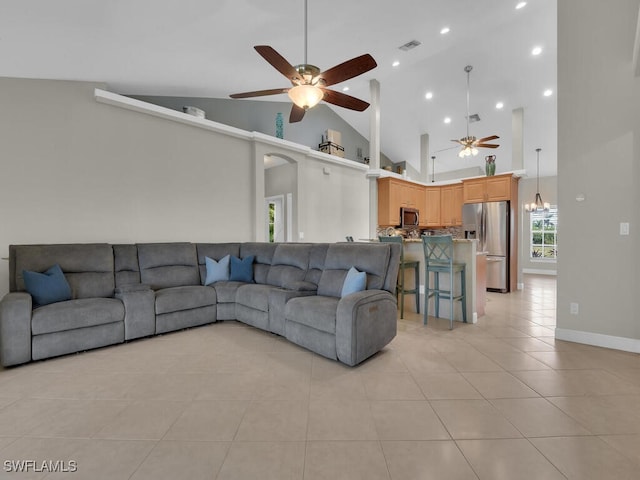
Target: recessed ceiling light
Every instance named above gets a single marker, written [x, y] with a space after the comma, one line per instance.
[536, 51]
[447, 120]
[520, 5]
[395, 64]
[345, 89]
[445, 30]
[548, 92]
[499, 105]
[428, 95]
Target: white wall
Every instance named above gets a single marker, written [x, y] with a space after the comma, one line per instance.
[75, 170]
[598, 156]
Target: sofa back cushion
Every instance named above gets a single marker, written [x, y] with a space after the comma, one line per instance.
[164, 265]
[126, 265]
[317, 257]
[370, 258]
[89, 268]
[290, 263]
[263, 256]
[215, 251]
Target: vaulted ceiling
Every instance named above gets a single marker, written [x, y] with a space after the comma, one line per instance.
[205, 49]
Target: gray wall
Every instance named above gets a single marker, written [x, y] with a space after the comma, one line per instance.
[598, 156]
[527, 194]
[74, 170]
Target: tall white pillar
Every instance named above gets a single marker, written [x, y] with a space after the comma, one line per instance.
[424, 157]
[374, 155]
[517, 136]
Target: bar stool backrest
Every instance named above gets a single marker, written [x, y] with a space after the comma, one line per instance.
[438, 250]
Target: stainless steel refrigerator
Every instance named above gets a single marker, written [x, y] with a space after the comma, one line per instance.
[489, 223]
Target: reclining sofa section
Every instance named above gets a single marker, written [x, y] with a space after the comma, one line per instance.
[124, 292]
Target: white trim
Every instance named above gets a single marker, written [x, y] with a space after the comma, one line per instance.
[599, 340]
[539, 271]
[520, 285]
[109, 98]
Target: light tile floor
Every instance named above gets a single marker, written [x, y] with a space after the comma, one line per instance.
[501, 399]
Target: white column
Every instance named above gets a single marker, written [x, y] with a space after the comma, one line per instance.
[517, 136]
[424, 157]
[374, 154]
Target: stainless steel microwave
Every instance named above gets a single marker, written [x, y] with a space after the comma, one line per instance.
[409, 217]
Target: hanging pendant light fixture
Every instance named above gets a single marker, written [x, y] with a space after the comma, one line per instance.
[537, 205]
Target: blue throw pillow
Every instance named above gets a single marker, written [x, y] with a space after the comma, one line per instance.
[355, 281]
[217, 271]
[47, 287]
[242, 269]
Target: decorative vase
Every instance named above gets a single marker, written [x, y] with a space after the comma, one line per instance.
[279, 126]
[490, 165]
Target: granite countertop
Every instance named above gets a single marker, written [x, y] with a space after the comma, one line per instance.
[456, 240]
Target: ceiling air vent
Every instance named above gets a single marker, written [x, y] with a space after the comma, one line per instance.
[409, 45]
[474, 118]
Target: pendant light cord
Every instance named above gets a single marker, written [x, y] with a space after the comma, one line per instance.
[468, 70]
[538, 171]
[305, 31]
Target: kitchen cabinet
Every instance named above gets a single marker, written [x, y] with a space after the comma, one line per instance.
[394, 194]
[451, 205]
[430, 212]
[489, 189]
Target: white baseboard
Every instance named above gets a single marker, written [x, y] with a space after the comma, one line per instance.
[539, 271]
[599, 340]
[520, 286]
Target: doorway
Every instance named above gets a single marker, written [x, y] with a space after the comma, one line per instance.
[279, 218]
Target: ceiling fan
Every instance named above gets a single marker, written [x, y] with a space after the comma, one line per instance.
[309, 82]
[470, 144]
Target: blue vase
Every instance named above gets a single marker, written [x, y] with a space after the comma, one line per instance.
[279, 126]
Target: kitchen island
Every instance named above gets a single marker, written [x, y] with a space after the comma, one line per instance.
[464, 251]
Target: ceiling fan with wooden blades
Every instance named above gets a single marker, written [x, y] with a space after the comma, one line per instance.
[470, 144]
[309, 83]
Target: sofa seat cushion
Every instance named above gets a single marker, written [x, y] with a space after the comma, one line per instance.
[254, 296]
[83, 312]
[226, 291]
[314, 311]
[176, 299]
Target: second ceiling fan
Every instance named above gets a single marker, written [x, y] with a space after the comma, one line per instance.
[309, 82]
[470, 144]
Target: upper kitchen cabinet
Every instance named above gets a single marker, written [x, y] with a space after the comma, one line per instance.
[451, 205]
[430, 212]
[393, 194]
[489, 189]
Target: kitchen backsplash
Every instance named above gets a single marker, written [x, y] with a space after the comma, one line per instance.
[455, 232]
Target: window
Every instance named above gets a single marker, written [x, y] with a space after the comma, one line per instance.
[544, 234]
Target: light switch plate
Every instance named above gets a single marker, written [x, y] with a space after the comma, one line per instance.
[624, 228]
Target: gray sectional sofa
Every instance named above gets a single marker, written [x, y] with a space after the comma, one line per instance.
[123, 292]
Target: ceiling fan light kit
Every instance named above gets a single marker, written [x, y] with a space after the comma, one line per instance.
[305, 96]
[309, 82]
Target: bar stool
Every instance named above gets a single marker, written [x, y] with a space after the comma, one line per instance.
[415, 265]
[438, 255]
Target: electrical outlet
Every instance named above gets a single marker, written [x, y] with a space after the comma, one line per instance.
[573, 308]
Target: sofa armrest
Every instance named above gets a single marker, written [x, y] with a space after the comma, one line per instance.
[139, 310]
[15, 328]
[365, 322]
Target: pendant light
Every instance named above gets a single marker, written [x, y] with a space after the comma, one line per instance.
[537, 205]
